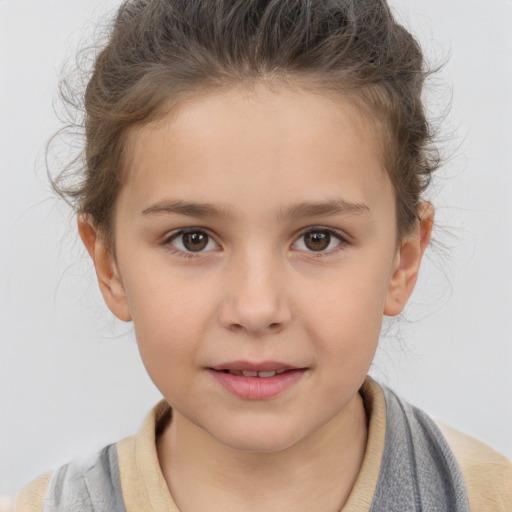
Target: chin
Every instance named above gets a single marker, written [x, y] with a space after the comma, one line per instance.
[261, 438]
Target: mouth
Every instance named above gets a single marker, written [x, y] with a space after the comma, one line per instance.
[256, 381]
[263, 369]
[249, 373]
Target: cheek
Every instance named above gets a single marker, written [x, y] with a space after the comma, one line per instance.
[168, 336]
[349, 310]
[173, 319]
[170, 315]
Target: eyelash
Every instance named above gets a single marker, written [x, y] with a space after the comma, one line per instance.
[313, 229]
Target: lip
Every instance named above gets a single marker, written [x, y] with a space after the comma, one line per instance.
[256, 388]
[263, 366]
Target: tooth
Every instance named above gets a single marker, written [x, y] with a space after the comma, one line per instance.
[235, 372]
[266, 374]
[249, 373]
[279, 372]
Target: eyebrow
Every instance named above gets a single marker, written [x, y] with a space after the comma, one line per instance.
[332, 207]
[187, 208]
[304, 209]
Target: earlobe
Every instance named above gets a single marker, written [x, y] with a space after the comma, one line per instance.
[107, 272]
[408, 262]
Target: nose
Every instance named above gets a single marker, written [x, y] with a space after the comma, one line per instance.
[254, 299]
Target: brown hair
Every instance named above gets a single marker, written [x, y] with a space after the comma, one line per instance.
[159, 52]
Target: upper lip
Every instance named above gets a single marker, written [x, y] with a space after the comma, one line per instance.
[263, 366]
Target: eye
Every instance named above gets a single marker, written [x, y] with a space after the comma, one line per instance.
[191, 241]
[319, 240]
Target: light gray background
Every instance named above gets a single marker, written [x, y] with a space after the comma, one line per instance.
[70, 377]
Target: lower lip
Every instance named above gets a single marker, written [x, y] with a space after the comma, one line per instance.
[257, 388]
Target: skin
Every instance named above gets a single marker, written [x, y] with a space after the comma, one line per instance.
[257, 291]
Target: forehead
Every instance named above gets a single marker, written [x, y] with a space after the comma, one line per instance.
[239, 146]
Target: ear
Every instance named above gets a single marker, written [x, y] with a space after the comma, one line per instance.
[107, 272]
[408, 261]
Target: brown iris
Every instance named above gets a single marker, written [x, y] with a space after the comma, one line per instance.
[317, 240]
[195, 242]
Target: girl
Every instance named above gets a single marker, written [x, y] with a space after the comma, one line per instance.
[252, 201]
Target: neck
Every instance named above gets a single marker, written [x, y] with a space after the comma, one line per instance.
[316, 473]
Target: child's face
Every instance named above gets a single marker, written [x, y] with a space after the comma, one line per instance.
[289, 261]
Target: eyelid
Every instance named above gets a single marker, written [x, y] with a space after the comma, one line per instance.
[340, 235]
[343, 238]
[169, 237]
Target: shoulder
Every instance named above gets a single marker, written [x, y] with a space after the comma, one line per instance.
[82, 485]
[487, 473]
[97, 482]
[31, 497]
[440, 463]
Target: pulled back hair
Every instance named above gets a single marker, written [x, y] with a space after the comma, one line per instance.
[160, 52]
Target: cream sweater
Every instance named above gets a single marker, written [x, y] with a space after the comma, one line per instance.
[487, 475]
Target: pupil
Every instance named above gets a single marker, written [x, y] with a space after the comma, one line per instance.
[195, 241]
[318, 241]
